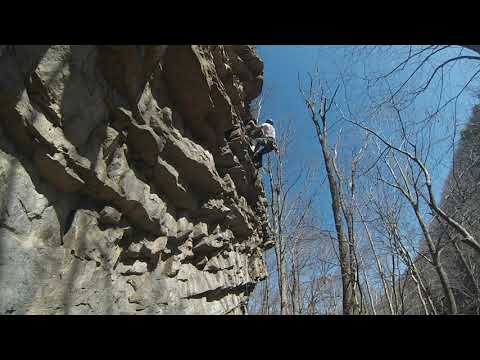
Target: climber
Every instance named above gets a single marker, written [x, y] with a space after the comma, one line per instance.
[265, 143]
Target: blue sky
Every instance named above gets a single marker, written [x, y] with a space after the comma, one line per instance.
[283, 65]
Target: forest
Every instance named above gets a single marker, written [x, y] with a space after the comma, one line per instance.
[373, 194]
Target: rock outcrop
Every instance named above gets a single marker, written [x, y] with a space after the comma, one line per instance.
[126, 180]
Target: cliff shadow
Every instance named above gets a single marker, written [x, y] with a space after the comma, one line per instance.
[14, 185]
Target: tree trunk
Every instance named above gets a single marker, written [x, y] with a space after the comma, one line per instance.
[279, 248]
[295, 282]
[452, 305]
[379, 267]
[421, 290]
[265, 298]
[372, 303]
[347, 283]
[282, 275]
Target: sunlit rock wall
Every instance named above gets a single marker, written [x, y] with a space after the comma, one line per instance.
[126, 180]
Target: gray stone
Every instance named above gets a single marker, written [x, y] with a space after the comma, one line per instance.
[126, 183]
[157, 245]
[110, 216]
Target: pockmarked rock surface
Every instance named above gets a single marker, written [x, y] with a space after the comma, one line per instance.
[126, 180]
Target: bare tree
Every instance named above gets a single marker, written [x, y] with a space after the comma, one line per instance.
[274, 206]
[421, 68]
[389, 213]
[318, 102]
[448, 225]
[291, 215]
[407, 180]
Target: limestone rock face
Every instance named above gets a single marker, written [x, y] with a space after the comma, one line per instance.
[126, 180]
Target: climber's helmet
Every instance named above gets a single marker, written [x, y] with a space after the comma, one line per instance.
[269, 121]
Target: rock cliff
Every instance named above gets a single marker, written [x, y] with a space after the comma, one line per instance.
[126, 180]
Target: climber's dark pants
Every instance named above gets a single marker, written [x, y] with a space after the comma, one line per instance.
[267, 144]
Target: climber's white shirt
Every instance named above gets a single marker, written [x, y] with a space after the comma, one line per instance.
[268, 130]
